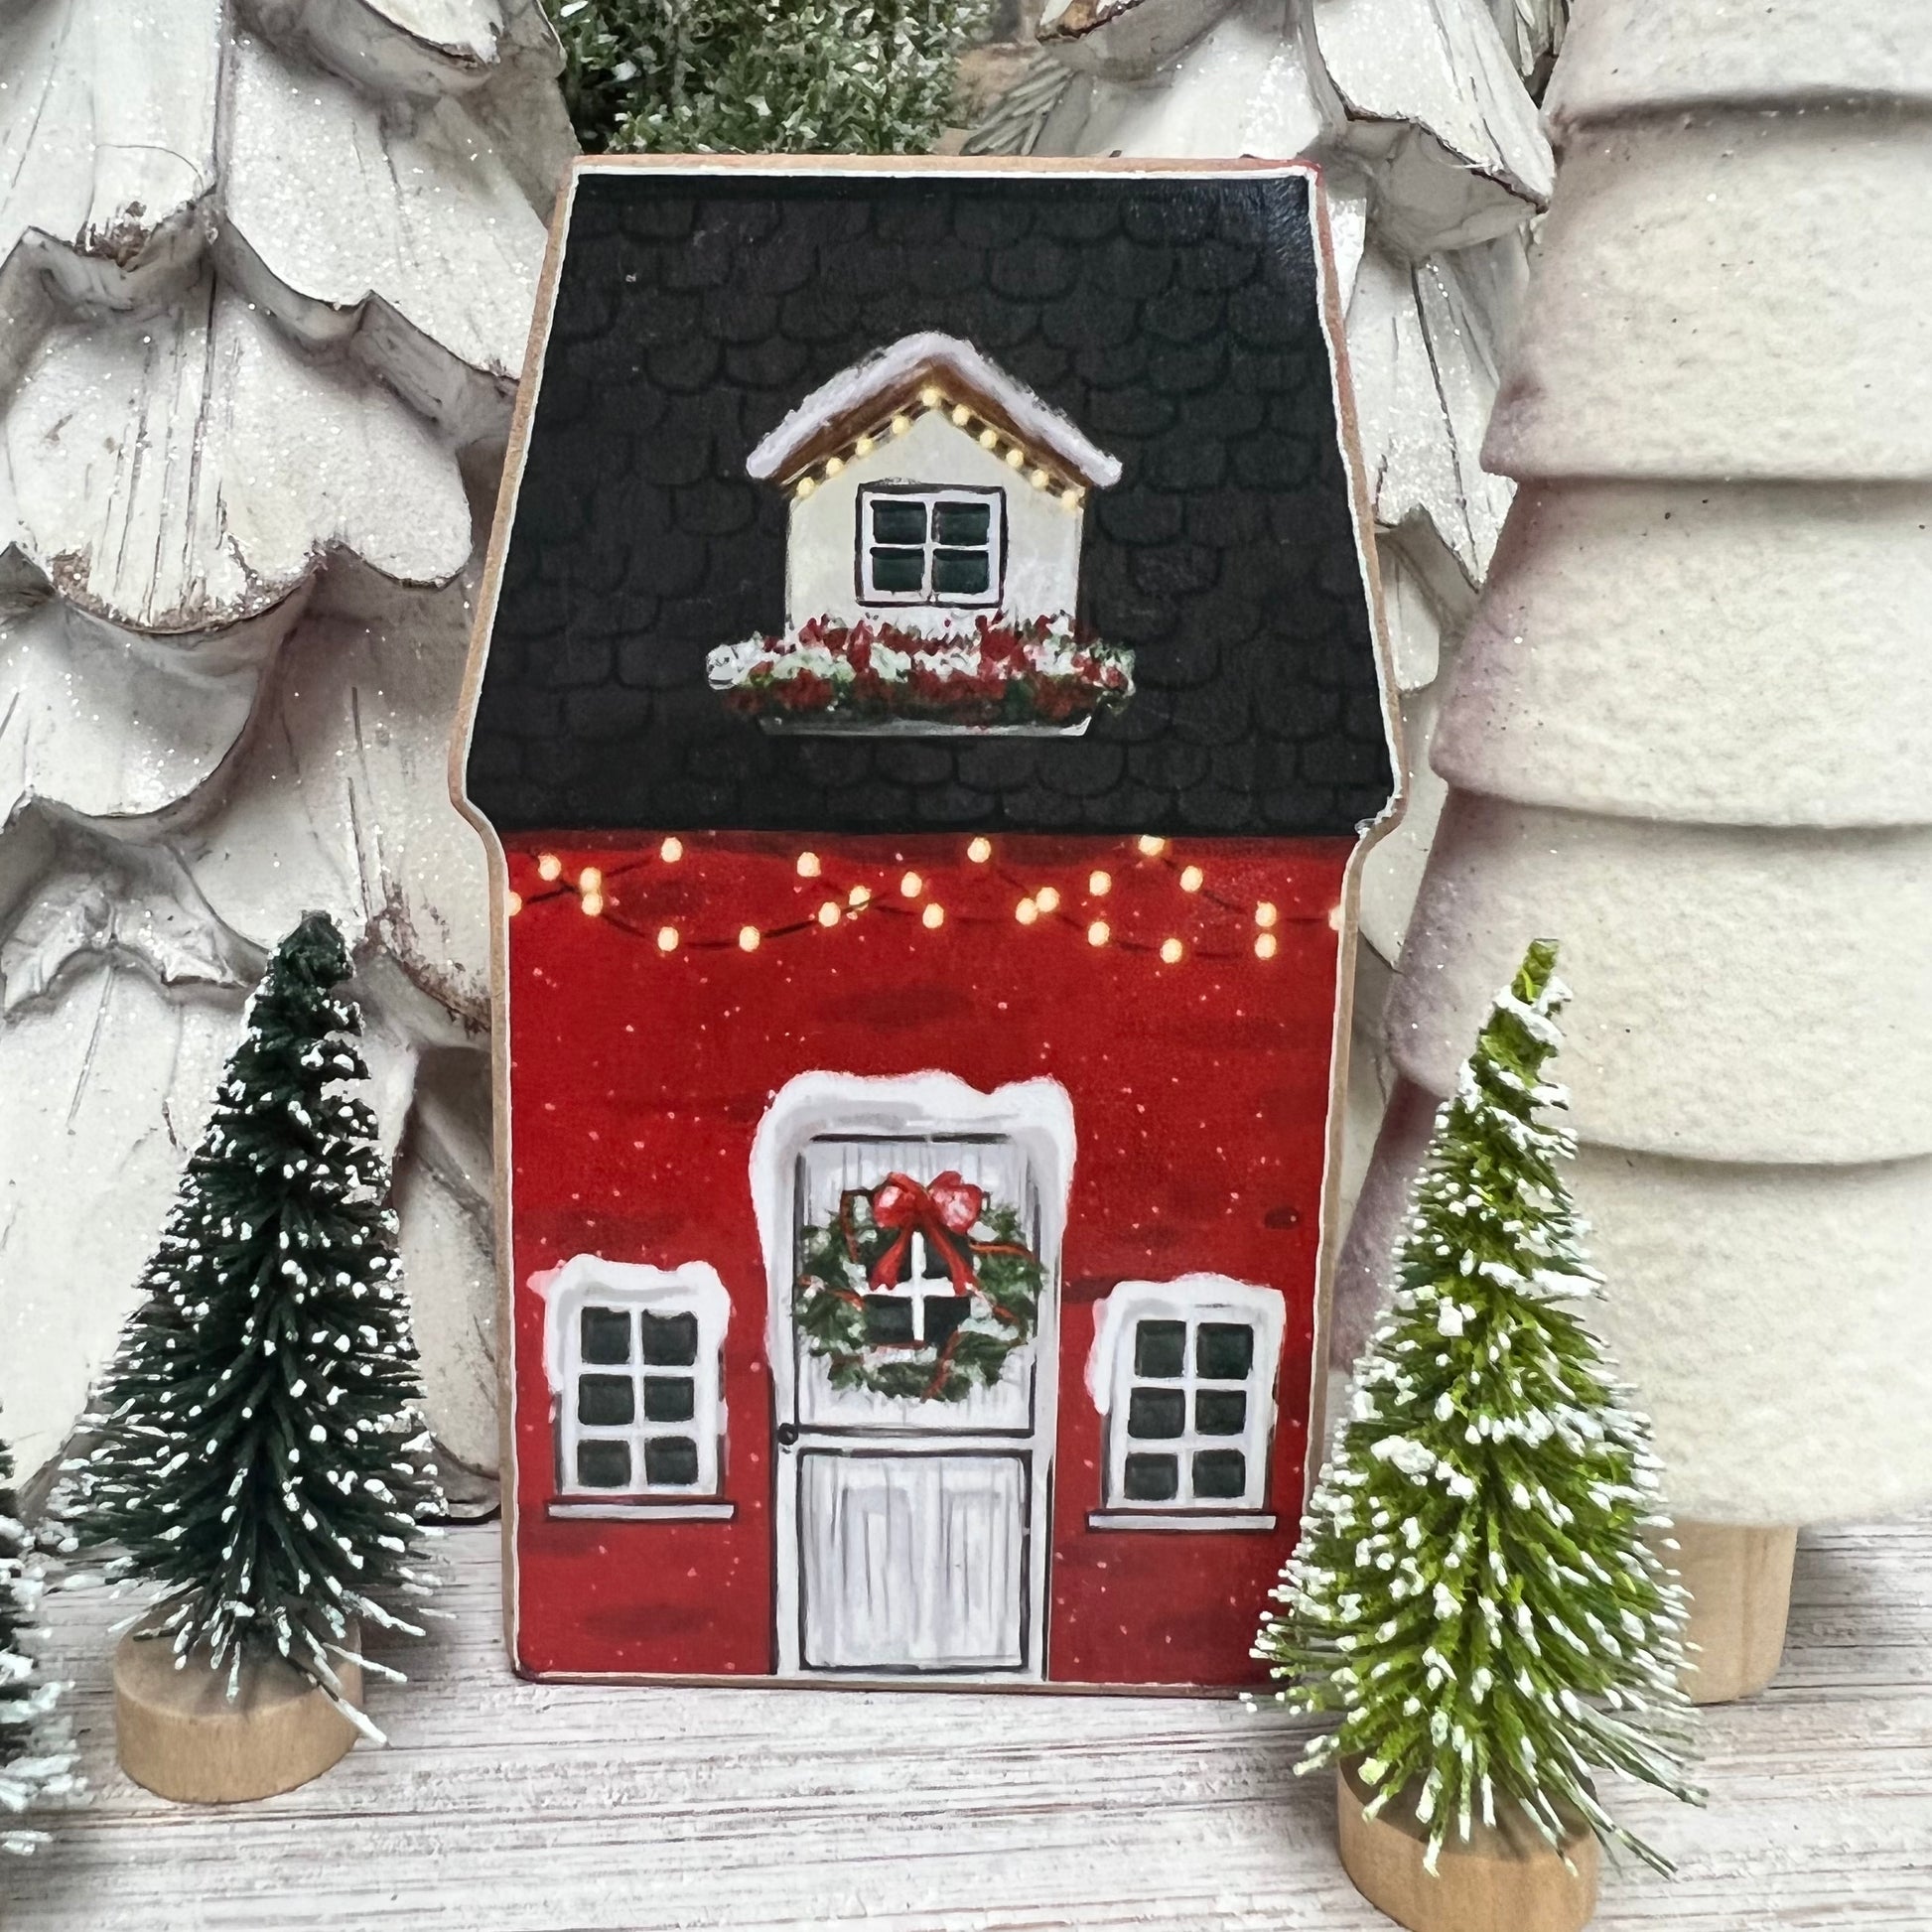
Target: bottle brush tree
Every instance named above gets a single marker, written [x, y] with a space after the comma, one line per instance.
[38, 1765]
[258, 1450]
[788, 76]
[1473, 1591]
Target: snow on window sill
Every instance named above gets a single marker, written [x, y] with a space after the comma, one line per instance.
[1257, 1520]
[641, 1509]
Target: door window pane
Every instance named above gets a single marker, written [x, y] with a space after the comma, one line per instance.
[1224, 1351]
[1220, 1412]
[1160, 1347]
[669, 1339]
[1220, 1473]
[605, 1401]
[1153, 1478]
[603, 1464]
[670, 1461]
[1157, 1412]
[670, 1398]
[603, 1334]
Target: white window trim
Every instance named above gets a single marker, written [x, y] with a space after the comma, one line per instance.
[1194, 1299]
[693, 1288]
[931, 495]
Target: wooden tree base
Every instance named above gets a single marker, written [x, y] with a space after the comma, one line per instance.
[1739, 1581]
[178, 1734]
[1502, 1878]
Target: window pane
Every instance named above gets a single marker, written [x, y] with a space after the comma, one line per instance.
[1220, 1412]
[604, 1465]
[670, 1461]
[899, 570]
[894, 520]
[962, 522]
[1156, 1412]
[1153, 1478]
[670, 1398]
[944, 1314]
[1160, 1347]
[605, 1401]
[670, 1340]
[961, 573]
[888, 1318]
[604, 1335]
[1220, 1473]
[1224, 1351]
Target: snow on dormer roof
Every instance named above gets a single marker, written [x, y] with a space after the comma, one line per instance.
[897, 379]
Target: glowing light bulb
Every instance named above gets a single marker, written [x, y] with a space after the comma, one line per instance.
[988, 438]
[859, 896]
[1170, 951]
[1048, 899]
[1192, 877]
[806, 485]
[1265, 945]
[930, 396]
[1264, 914]
[590, 879]
[593, 904]
[865, 445]
[1100, 884]
[828, 913]
[667, 938]
[671, 851]
[1040, 480]
[911, 886]
[1098, 933]
[961, 415]
[1025, 912]
[808, 865]
[933, 917]
[749, 938]
[1151, 847]
[901, 424]
[1016, 458]
[979, 851]
[549, 866]
[833, 465]
[1070, 499]
[512, 903]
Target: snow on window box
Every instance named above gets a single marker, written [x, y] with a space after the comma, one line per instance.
[1041, 677]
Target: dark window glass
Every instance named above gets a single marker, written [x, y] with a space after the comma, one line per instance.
[604, 1465]
[961, 573]
[944, 1314]
[1160, 1347]
[1153, 1478]
[1220, 1412]
[670, 1398]
[897, 521]
[670, 1340]
[1220, 1473]
[899, 570]
[888, 1318]
[1154, 1412]
[604, 1335]
[670, 1461]
[1224, 1351]
[604, 1401]
[962, 522]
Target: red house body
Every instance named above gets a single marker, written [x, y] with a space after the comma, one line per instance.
[917, 1060]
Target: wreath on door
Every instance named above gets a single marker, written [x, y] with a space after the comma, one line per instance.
[861, 1254]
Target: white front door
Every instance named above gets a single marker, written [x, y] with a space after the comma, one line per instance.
[912, 1532]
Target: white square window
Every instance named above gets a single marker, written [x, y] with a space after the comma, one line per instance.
[635, 1357]
[932, 546]
[1185, 1373]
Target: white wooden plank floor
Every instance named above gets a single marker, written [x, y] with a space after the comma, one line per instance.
[502, 1806]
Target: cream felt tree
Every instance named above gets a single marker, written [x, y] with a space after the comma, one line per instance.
[1473, 1591]
[1692, 729]
[266, 269]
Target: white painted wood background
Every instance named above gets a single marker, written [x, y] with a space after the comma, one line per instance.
[517, 1807]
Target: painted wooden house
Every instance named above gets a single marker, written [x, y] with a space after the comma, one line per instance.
[928, 716]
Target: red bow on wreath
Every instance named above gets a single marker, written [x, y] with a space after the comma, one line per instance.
[943, 1212]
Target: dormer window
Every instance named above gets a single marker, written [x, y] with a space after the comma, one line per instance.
[932, 546]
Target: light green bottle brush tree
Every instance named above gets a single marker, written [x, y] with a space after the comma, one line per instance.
[1473, 1591]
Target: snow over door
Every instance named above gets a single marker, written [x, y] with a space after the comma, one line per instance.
[912, 1532]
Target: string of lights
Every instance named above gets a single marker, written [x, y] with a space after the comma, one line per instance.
[912, 897]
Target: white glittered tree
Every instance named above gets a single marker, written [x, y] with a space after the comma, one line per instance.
[266, 269]
[1473, 1591]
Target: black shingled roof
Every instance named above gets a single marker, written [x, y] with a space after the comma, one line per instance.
[1174, 319]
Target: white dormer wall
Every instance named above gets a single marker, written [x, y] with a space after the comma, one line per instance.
[1043, 543]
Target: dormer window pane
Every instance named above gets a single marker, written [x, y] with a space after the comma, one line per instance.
[957, 524]
[898, 519]
[899, 570]
[959, 573]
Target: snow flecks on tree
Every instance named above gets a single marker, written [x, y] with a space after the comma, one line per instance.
[1473, 1591]
[39, 1765]
[787, 76]
[259, 1453]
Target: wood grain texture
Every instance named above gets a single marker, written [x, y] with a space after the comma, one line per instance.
[562, 1808]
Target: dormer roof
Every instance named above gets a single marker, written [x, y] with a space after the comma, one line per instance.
[919, 373]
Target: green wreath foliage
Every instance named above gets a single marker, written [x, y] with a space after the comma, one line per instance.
[828, 1303]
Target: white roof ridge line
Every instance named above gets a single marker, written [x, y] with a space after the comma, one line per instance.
[875, 376]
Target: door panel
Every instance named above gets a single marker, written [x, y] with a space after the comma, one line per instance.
[913, 1561]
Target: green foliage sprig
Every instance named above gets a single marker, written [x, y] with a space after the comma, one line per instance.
[1473, 1591]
